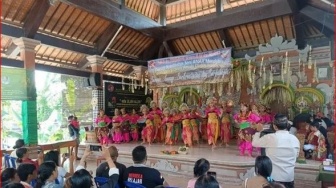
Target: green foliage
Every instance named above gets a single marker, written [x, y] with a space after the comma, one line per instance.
[71, 94]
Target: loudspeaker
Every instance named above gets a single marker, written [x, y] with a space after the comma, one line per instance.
[95, 79]
[86, 82]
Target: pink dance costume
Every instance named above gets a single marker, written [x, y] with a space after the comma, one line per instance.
[186, 130]
[265, 118]
[148, 131]
[213, 124]
[134, 127]
[117, 136]
[195, 124]
[126, 128]
[157, 122]
[102, 130]
[245, 134]
[169, 123]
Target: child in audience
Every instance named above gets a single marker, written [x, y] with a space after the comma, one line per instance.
[9, 175]
[207, 181]
[263, 171]
[27, 173]
[47, 174]
[201, 167]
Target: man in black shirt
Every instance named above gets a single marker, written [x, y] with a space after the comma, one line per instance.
[103, 168]
[141, 174]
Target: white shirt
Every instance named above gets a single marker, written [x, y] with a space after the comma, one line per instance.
[13, 154]
[283, 149]
[61, 175]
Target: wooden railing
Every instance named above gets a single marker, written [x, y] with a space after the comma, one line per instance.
[58, 145]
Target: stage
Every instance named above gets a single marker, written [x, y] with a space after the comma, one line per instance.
[231, 168]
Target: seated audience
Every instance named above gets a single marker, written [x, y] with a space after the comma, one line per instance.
[13, 185]
[18, 144]
[9, 175]
[47, 174]
[103, 168]
[282, 148]
[27, 173]
[201, 167]
[23, 157]
[62, 173]
[315, 145]
[207, 181]
[263, 171]
[141, 174]
[325, 121]
[83, 178]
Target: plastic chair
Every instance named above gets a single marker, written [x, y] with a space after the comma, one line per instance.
[133, 185]
[33, 183]
[7, 160]
[10, 162]
[100, 181]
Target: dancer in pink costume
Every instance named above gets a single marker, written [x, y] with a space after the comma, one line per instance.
[134, 125]
[255, 112]
[213, 126]
[266, 118]
[125, 126]
[186, 125]
[102, 131]
[226, 117]
[168, 122]
[195, 124]
[246, 119]
[156, 113]
[148, 131]
[116, 122]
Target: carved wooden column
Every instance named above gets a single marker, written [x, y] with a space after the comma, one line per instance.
[29, 112]
[96, 63]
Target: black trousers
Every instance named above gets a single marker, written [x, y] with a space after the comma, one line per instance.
[287, 184]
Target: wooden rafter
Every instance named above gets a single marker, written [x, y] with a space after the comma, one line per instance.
[60, 43]
[322, 17]
[35, 18]
[249, 13]
[106, 37]
[111, 11]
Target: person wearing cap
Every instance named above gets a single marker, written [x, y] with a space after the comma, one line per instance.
[103, 168]
[282, 148]
[18, 144]
[315, 145]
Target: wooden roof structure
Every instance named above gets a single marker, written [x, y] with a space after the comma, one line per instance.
[131, 32]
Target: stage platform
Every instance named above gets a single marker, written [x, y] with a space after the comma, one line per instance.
[231, 168]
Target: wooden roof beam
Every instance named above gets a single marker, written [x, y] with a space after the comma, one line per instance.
[106, 38]
[322, 17]
[323, 4]
[228, 18]
[35, 17]
[63, 44]
[112, 11]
